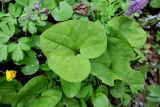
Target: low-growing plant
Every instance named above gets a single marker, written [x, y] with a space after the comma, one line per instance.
[73, 53]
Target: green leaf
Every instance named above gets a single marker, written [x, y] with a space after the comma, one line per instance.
[32, 28]
[70, 102]
[31, 62]
[12, 47]
[70, 89]
[3, 52]
[48, 98]
[31, 89]
[85, 92]
[71, 2]
[31, 3]
[126, 100]
[4, 37]
[49, 4]
[155, 3]
[15, 10]
[22, 2]
[72, 44]
[64, 12]
[120, 54]
[17, 54]
[24, 43]
[8, 90]
[100, 100]
[128, 28]
[154, 95]
[117, 91]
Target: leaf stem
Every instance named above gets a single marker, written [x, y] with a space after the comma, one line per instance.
[2, 72]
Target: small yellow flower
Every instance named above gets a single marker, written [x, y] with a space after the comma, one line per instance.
[10, 74]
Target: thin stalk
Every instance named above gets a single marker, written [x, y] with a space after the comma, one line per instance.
[2, 72]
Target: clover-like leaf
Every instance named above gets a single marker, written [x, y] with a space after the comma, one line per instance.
[64, 12]
[3, 52]
[130, 30]
[69, 45]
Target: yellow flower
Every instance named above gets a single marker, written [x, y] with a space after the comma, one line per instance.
[10, 74]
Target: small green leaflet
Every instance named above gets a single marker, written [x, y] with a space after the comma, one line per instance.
[18, 48]
[64, 12]
[3, 52]
[100, 100]
[70, 89]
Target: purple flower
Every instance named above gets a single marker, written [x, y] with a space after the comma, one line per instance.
[158, 25]
[37, 6]
[136, 6]
[46, 11]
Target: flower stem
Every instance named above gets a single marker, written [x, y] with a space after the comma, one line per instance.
[2, 72]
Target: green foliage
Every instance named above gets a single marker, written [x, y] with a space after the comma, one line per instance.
[100, 99]
[128, 28]
[155, 3]
[70, 89]
[74, 48]
[154, 95]
[64, 12]
[66, 59]
[50, 4]
[119, 53]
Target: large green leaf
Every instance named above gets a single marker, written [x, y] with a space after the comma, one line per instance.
[64, 12]
[30, 90]
[70, 89]
[69, 45]
[130, 30]
[120, 55]
[49, 98]
[100, 100]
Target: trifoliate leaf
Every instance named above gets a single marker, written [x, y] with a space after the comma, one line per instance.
[15, 10]
[64, 12]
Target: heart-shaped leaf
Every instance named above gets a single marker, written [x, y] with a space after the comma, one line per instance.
[69, 45]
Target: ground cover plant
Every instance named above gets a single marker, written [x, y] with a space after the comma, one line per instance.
[79, 53]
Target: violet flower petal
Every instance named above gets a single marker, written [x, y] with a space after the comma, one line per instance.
[37, 6]
[136, 6]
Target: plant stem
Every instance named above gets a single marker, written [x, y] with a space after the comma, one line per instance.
[2, 72]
